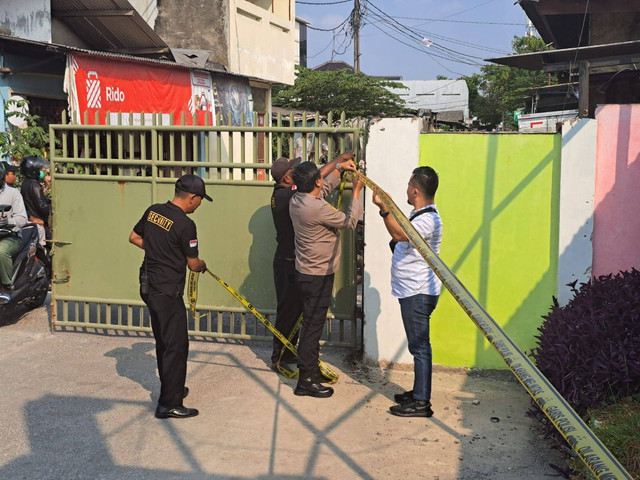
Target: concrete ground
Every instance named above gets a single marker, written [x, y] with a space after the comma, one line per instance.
[80, 406]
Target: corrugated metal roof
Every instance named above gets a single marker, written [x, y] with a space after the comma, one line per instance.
[109, 25]
[52, 47]
[538, 60]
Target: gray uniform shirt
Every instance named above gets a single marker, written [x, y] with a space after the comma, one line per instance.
[17, 213]
[316, 224]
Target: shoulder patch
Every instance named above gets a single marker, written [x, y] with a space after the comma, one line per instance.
[193, 243]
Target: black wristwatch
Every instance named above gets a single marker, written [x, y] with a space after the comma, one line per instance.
[384, 214]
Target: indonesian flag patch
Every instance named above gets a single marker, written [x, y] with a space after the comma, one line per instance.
[193, 243]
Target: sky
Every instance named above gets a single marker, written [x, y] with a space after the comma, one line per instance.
[415, 39]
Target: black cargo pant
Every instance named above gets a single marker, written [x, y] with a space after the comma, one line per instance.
[289, 304]
[316, 300]
[169, 323]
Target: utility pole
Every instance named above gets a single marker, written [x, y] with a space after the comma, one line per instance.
[355, 25]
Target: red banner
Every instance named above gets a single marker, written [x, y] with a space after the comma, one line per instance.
[114, 86]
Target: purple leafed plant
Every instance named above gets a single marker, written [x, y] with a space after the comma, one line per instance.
[590, 348]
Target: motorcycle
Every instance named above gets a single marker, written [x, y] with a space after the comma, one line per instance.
[29, 279]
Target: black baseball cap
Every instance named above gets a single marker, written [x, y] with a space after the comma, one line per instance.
[192, 184]
[282, 166]
[8, 167]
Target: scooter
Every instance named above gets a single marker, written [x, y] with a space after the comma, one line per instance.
[29, 280]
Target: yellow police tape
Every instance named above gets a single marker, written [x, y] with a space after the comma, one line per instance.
[192, 292]
[586, 444]
[285, 371]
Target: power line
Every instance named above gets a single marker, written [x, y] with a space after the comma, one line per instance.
[327, 46]
[431, 55]
[430, 20]
[328, 29]
[461, 42]
[403, 30]
[457, 13]
[323, 3]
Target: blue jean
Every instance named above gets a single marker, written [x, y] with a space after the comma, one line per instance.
[416, 312]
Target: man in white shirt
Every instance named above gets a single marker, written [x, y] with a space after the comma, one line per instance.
[416, 286]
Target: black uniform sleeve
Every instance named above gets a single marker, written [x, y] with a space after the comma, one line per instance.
[189, 240]
[139, 227]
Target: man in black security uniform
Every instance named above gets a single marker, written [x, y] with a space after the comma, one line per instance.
[170, 242]
[288, 293]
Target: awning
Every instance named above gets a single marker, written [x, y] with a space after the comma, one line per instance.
[609, 54]
[109, 25]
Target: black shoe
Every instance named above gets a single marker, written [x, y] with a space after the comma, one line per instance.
[405, 397]
[414, 408]
[185, 392]
[311, 388]
[175, 412]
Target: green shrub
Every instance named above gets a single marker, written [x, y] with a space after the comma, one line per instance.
[590, 348]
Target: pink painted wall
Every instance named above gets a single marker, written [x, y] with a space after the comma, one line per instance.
[616, 223]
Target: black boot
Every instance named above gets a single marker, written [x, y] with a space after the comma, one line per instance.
[312, 388]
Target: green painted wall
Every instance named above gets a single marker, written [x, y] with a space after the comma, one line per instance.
[498, 197]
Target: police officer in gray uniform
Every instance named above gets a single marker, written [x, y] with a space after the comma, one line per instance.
[288, 293]
[317, 242]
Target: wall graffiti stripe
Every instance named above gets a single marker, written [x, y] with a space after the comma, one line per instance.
[570, 425]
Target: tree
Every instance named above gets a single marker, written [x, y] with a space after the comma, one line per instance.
[357, 94]
[499, 90]
[31, 140]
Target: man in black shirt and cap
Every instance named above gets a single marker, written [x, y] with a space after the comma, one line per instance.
[170, 242]
[288, 294]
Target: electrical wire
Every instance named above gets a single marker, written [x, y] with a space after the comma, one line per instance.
[446, 53]
[409, 32]
[329, 29]
[327, 46]
[370, 14]
[323, 3]
[431, 55]
[457, 13]
[430, 20]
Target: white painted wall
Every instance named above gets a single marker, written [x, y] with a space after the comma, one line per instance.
[393, 151]
[262, 44]
[148, 10]
[29, 19]
[577, 188]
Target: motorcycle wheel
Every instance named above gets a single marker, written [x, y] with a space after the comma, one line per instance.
[37, 300]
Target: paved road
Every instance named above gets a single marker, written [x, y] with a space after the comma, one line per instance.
[80, 406]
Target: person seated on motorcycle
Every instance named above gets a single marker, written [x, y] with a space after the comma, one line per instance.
[11, 222]
[10, 171]
[37, 203]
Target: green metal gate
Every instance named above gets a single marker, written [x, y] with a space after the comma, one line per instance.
[105, 176]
